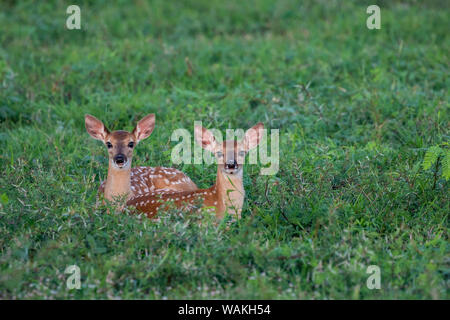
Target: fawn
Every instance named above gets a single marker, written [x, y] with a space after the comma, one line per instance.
[122, 180]
[227, 194]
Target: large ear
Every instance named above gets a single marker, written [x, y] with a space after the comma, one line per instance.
[205, 138]
[145, 127]
[253, 136]
[95, 127]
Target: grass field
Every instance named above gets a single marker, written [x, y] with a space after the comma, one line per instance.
[357, 111]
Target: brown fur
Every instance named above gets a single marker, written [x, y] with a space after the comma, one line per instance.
[226, 195]
[124, 181]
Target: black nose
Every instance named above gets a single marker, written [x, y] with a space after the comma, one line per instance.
[119, 159]
[231, 164]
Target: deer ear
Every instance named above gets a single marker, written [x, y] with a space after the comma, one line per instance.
[145, 127]
[205, 138]
[95, 127]
[253, 136]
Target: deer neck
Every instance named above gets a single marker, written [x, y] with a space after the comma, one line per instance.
[118, 183]
[230, 193]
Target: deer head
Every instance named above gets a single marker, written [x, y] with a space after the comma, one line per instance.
[230, 154]
[120, 144]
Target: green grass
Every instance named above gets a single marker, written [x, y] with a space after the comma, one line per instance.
[356, 108]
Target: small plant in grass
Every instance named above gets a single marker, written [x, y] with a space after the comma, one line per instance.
[434, 157]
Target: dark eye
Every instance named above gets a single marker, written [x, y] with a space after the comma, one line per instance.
[109, 145]
[219, 154]
[131, 144]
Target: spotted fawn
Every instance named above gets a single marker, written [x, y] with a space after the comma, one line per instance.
[124, 182]
[227, 194]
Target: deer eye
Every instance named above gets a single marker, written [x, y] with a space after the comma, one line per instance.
[219, 154]
[131, 144]
[109, 145]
